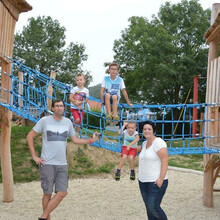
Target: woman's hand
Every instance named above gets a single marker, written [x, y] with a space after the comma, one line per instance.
[159, 182]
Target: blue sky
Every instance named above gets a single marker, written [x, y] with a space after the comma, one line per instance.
[96, 24]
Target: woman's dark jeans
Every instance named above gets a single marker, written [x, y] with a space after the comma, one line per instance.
[152, 196]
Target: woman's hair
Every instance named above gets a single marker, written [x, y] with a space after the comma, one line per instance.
[150, 123]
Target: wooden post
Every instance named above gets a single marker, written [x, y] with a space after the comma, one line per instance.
[20, 102]
[195, 100]
[219, 126]
[9, 14]
[213, 40]
[201, 124]
[50, 90]
[6, 116]
[208, 183]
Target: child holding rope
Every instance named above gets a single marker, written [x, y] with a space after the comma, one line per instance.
[129, 148]
[78, 96]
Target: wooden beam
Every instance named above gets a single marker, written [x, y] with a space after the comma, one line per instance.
[15, 7]
[6, 115]
[214, 34]
[210, 163]
[208, 184]
[216, 174]
[50, 90]
[216, 164]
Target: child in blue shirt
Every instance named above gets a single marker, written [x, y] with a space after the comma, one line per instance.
[110, 91]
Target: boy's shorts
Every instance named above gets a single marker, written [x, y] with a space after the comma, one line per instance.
[111, 101]
[131, 151]
[51, 175]
[76, 114]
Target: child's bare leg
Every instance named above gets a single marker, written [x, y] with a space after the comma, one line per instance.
[131, 161]
[107, 103]
[123, 159]
[132, 174]
[77, 121]
[114, 105]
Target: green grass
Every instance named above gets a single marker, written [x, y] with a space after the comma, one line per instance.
[25, 169]
[189, 161]
[192, 161]
[85, 165]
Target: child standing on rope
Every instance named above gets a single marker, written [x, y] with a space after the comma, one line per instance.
[78, 97]
[129, 148]
[110, 91]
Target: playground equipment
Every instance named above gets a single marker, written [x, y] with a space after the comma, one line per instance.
[212, 166]
[28, 93]
[9, 14]
[29, 99]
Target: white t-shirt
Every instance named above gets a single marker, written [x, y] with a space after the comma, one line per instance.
[149, 161]
[54, 138]
[78, 94]
[128, 139]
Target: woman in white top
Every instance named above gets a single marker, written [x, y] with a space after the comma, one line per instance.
[153, 165]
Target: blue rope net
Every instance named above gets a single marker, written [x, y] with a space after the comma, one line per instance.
[29, 98]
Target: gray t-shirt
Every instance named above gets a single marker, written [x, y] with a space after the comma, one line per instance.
[54, 138]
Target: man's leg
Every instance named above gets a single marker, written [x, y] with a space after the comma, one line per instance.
[45, 201]
[53, 203]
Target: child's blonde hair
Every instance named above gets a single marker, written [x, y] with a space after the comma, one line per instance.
[80, 74]
[132, 123]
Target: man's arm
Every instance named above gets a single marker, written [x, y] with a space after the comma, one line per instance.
[77, 140]
[30, 141]
[125, 94]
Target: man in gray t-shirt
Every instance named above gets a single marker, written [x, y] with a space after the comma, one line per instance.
[55, 130]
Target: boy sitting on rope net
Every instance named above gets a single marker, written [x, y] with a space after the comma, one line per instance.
[110, 92]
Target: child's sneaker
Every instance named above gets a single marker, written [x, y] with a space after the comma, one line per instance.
[116, 117]
[117, 176]
[132, 176]
[108, 116]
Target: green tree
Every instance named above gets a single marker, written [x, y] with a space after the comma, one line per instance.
[95, 91]
[159, 58]
[41, 45]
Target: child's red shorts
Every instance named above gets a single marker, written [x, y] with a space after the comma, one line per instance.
[76, 114]
[131, 151]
